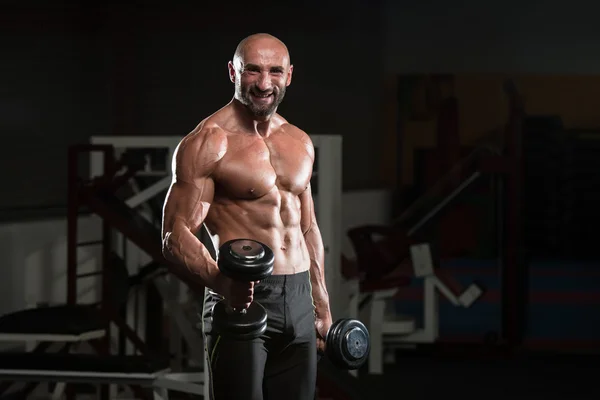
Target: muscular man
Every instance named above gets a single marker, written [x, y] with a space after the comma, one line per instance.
[245, 172]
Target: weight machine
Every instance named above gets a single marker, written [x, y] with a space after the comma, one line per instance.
[130, 252]
[392, 331]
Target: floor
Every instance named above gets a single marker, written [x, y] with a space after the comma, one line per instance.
[572, 378]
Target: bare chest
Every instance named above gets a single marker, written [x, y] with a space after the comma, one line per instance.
[253, 167]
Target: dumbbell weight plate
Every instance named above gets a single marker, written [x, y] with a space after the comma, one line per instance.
[234, 324]
[245, 260]
[348, 343]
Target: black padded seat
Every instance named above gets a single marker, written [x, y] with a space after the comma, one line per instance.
[73, 320]
[82, 363]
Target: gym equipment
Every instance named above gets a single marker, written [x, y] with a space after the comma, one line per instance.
[348, 343]
[389, 331]
[136, 371]
[246, 260]
[505, 168]
[144, 237]
[127, 216]
[380, 249]
[67, 327]
[243, 260]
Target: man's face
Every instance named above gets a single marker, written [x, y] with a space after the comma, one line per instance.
[261, 76]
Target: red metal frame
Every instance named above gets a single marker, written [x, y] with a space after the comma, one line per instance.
[74, 203]
[76, 199]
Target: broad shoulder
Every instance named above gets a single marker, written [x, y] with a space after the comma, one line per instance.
[298, 134]
[206, 137]
[203, 147]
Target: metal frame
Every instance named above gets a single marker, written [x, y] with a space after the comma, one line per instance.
[387, 333]
[328, 205]
[104, 152]
[46, 337]
[507, 168]
[160, 381]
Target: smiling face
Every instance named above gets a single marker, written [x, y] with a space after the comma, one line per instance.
[261, 72]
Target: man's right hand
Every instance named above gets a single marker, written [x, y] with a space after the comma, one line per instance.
[237, 294]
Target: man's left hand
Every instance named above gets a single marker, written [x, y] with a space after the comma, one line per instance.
[322, 325]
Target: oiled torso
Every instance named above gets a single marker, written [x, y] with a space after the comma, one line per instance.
[257, 184]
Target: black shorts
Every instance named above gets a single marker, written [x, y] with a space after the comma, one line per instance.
[281, 364]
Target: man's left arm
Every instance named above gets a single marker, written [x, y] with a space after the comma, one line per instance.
[316, 252]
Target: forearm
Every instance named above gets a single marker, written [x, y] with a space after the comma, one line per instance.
[314, 243]
[190, 258]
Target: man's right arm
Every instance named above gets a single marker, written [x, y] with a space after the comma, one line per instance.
[187, 203]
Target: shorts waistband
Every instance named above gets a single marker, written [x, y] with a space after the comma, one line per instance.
[301, 278]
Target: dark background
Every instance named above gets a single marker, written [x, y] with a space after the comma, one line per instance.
[71, 70]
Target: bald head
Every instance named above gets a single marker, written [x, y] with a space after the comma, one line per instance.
[258, 43]
[261, 71]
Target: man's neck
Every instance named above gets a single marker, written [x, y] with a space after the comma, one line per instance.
[258, 125]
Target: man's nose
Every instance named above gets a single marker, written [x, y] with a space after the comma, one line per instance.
[264, 82]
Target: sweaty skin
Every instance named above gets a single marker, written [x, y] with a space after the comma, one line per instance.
[245, 172]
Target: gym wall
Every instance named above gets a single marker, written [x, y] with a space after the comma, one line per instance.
[511, 37]
[71, 72]
[495, 36]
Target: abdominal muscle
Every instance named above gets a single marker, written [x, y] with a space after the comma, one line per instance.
[273, 220]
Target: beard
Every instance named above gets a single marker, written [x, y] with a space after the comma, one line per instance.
[244, 95]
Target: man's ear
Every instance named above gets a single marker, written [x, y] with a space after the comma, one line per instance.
[289, 77]
[231, 69]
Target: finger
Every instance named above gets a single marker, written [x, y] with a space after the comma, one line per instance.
[236, 305]
[242, 303]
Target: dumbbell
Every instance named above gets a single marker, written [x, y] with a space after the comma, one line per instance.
[347, 343]
[242, 260]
